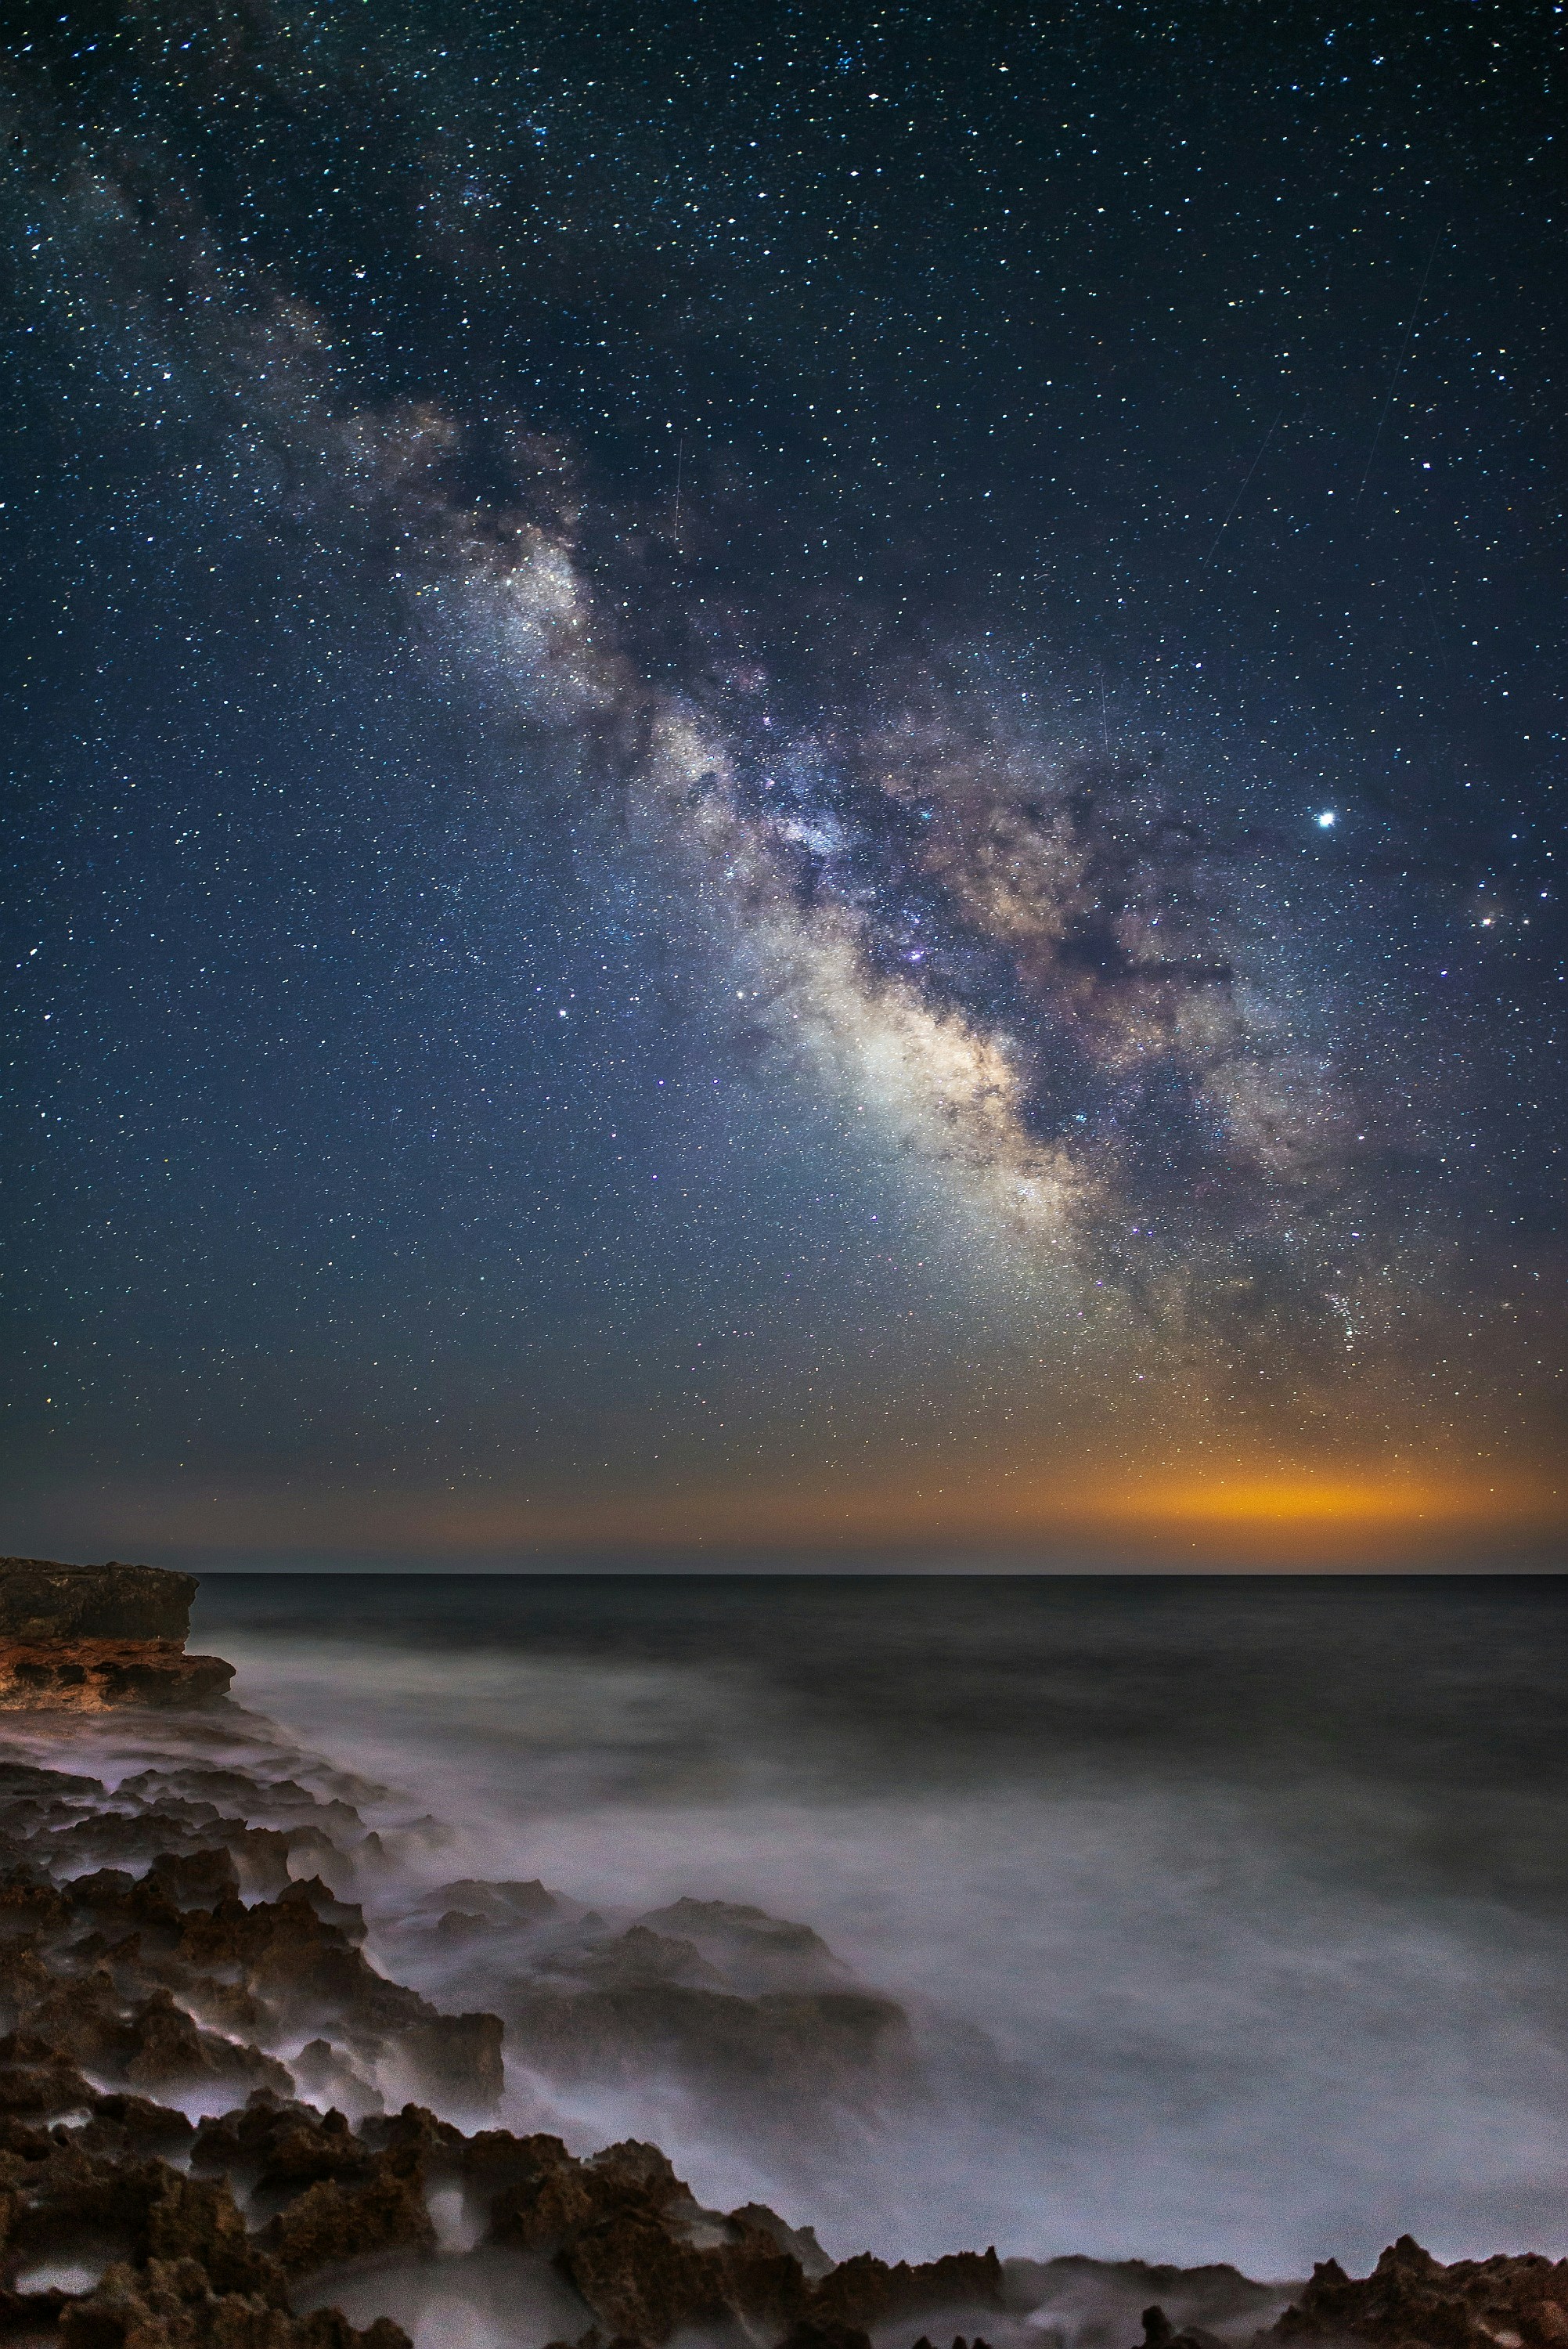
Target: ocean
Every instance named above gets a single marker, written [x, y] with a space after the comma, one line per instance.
[1189, 1919]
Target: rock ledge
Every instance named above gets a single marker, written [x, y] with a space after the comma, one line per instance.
[83, 1639]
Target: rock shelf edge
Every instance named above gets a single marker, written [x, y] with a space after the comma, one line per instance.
[87, 1638]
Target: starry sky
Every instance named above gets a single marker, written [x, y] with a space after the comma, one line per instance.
[784, 778]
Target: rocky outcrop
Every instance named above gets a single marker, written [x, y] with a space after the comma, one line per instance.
[42, 1599]
[90, 1675]
[133, 1966]
[648, 2260]
[155, 1945]
[129, 1957]
[83, 1639]
[1410, 2298]
[170, 2304]
[769, 2036]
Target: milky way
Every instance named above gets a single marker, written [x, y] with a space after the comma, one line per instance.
[1048, 998]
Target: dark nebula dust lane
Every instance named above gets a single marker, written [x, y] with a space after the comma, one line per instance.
[805, 769]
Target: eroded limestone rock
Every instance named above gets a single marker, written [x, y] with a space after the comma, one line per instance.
[40, 1598]
[85, 1639]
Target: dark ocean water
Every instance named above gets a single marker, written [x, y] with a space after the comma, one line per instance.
[1231, 1915]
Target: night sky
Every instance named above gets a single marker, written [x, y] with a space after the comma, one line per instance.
[783, 775]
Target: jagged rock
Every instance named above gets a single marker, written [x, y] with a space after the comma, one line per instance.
[123, 2124]
[634, 2261]
[332, 2221]
[24, 1979]
[29, 1906]
[435, 2140]
[328, 2076]
[34, 2077]
[171, 2305]
[640, 2282]
[864, 2290]
[117, 1968]
[305, 1967]
[621, 2227]
[1503, 2303]
[197, 2218]
[545, 2198]
[280, 2142]
[149, 2042]
[801, 2242]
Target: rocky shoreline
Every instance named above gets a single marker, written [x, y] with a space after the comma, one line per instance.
[220, 2119]
[149, 1941]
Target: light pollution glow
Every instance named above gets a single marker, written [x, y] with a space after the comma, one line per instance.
[1287, 1519]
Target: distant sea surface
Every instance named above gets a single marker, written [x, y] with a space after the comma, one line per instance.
[1232, 1915]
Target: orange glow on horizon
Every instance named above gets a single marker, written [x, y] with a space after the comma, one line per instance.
[1288, 1516]
[1394, 1514]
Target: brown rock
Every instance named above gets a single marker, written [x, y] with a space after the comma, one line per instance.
[171, 2305]
[331, 2221]
[197, 2218]
[42, 1599]
[27, 1906]
[436, 2141]
[281, 2144]
[865, 2291]
[1159, 2332]
[34, 2077]
[92, 1675]
[619, 2226]
[640, 2280]
[80, 1639]
[546, 2202]
[151, 2041]
[128, 2125]
[1409, 2297]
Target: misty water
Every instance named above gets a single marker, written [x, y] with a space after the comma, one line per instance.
[1228, 1915]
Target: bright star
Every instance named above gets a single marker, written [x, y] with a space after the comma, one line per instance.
[1326, 820]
